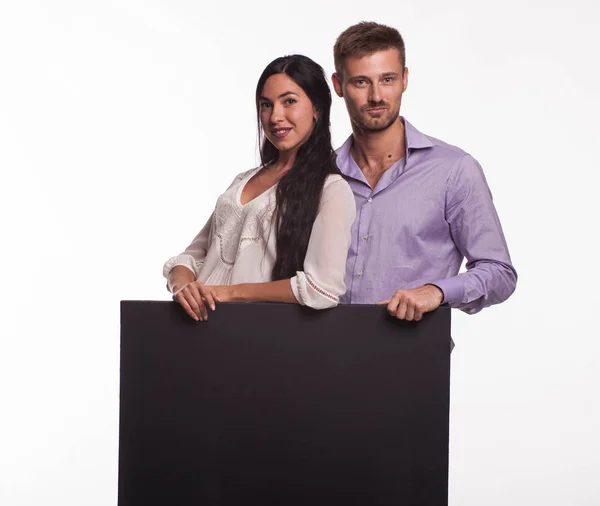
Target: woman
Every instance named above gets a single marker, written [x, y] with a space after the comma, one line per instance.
[281, 231]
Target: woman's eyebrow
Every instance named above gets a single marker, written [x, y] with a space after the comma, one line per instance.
[284, 94]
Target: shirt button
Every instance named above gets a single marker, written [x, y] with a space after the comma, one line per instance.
[366, 236]
[370, 199]
[360, 274]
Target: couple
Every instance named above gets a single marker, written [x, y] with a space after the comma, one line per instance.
[388, 220]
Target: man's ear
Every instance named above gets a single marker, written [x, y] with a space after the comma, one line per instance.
[405, 79]
[337, 84]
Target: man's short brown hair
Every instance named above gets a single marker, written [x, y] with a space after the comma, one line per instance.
[366, 38]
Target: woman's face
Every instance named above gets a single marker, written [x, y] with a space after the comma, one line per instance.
[287, 114]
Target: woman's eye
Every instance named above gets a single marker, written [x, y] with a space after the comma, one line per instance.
[290, 101]
[265, 105]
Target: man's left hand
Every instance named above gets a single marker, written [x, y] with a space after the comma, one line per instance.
[411, 304]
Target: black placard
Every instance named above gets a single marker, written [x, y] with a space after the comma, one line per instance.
[280, 405]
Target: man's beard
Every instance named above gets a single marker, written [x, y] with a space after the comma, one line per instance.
[374, 124]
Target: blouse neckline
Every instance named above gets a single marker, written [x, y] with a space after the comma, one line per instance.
[238, 197]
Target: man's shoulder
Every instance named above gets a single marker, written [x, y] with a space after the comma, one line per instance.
[433, 147]
[441, 160]
[446, 148]
[449, 161]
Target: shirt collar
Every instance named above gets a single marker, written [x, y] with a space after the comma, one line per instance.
[414, 140]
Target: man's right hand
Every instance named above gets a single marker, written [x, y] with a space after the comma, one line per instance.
[412, 303]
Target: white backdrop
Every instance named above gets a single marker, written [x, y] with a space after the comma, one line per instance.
[121, 121]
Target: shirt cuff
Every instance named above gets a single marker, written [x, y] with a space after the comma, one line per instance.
[308, 293]
[452, 288]
[185, 260]
[300, 297]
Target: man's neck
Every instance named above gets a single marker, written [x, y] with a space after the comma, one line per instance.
[375, 152]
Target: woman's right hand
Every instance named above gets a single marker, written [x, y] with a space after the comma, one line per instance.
[195, 298]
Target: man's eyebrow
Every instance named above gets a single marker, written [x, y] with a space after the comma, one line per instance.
[285, 94]
[367, 78]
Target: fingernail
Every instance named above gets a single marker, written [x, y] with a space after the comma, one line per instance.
[213, 307]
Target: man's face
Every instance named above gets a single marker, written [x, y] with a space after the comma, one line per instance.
[372, 87]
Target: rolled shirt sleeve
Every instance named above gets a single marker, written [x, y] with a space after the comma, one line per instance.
[321, 284]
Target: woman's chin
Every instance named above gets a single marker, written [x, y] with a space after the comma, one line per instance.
[283, 145]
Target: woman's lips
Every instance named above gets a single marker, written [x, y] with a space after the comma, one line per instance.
[280, 133]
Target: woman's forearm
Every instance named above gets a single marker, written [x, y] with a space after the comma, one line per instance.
[272, 291]
[180, 276]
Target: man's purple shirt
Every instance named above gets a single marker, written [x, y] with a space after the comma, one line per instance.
[429, 210]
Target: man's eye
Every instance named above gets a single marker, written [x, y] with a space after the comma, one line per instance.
[388, 80]
[360, 82]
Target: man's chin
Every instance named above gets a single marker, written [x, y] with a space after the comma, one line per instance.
[376, 124]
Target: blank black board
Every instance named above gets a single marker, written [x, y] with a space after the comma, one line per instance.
[280, 405]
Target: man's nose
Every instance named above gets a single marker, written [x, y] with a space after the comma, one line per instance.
[375, 93]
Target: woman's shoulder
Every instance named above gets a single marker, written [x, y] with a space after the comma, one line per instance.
[336, 181]
[243, 175]
[332, 178]
[337, 189]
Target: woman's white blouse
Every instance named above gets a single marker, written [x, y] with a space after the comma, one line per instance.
[237, 244]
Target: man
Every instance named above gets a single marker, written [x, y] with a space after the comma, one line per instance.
[422, 205]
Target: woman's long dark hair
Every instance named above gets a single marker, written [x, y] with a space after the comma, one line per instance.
[299, 190]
